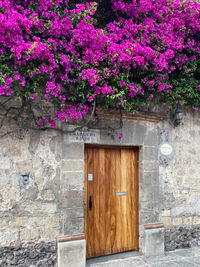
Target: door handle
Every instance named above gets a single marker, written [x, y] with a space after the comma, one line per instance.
[90, 203]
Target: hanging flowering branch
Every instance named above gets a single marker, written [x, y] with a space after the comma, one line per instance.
[148, 53]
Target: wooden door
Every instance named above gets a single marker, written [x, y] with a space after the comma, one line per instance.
[111, 200]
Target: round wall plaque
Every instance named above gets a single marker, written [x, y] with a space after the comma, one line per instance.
[166, 149]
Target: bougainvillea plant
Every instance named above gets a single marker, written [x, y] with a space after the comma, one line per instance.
[149, 53]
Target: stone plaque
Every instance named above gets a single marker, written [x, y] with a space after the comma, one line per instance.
[82, 135]
[166, 149]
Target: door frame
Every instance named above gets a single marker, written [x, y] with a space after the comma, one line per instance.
[137, 177]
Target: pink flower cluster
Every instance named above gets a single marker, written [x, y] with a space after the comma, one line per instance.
[60, 55]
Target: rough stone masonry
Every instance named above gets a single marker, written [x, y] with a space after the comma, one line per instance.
[42, 187]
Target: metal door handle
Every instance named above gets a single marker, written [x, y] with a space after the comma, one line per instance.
[90, 203]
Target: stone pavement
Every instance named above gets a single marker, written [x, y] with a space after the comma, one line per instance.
[189, 257]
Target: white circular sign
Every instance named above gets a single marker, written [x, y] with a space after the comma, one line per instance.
[166, 149]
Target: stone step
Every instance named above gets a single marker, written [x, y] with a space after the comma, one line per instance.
[189, 257]
[117, 260]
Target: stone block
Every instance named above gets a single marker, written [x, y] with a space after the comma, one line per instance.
[187, 220]
[48, 207]
[196, 220]
[73, 151]
[149, 193]
[139, 134]
[71, 198]
[150, 153]
[48, 233]
[178, 211]
[148, 217]
[72, 165]
[150, 138]
[47, 194]
[177, 221]
[72, 253]
[150, 177]
[9, 237]
[72, 180]
[167, 221]
[73, 226]
[153, 242]
[27, 235]
[166, 213]
[150, 165]
[18, 222]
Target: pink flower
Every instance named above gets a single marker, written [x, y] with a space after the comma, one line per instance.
[119, 135]
[32, 96]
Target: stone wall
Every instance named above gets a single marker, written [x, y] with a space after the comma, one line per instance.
[180, 182]
[29, 197]
[42, 186]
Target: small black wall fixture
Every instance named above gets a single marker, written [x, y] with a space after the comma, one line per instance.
[178, 116]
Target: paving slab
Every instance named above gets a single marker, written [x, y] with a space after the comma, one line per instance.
[189, 257]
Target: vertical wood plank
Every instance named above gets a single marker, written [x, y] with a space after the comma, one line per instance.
[113, 218]
[108, 197]
[90, 214]
[135, 201]
[102, 202]
[124, 178]
[130, 160]
[96, 203]
[85, 195]
[117, 203]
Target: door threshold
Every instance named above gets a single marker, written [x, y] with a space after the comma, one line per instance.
[112, 257]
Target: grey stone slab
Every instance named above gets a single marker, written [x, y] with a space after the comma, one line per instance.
[163, 258]
[74, 226]
[151, 177]
[185, 252]
[71, 199]
[72, 165]
[150, 138]
[139, 134]
[196, 250]
[183, 263]
[150, 153]
[163, 264]
[73, 151]
[72, 253]
[150, 165]
[193, 260]
[72, 180]
[124, 255]
[134, 262]
[153, 242]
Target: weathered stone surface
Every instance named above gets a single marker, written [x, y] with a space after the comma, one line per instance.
[150, 153]
[73, 151]
[72, 253]
[72, 180]
[72, 165]
[153, 242]
[182, 237]
[40, 254]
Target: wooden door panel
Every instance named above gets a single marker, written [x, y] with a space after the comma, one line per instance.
[112, 224]
[102, 202]
[109, 220]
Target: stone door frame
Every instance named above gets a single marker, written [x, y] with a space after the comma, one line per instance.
[142, 134]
